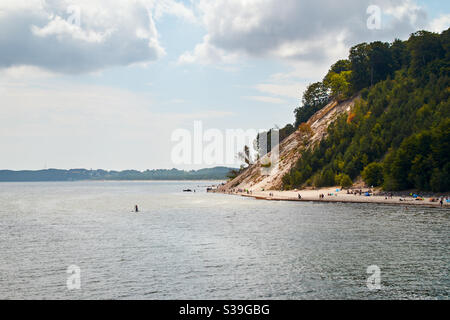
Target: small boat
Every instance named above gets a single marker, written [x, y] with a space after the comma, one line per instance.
[261, 198]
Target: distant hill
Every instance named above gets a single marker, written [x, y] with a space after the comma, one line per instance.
[217, 173]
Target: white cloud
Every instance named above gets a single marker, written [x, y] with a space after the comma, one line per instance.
[307, 36]
[171, 7]
[62, 28]
[82, 36]
[405, 10]
[440, 24]
[295, 30]
[24, 73]
[205, 53]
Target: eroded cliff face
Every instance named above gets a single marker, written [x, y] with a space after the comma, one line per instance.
[258, 177]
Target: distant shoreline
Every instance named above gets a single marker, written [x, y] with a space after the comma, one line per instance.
[342, 196]
[60, 175]
[123, 180]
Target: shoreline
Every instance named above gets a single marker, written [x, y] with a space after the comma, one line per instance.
[117, 180]
[331, 195]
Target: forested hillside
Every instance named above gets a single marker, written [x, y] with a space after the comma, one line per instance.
[398, 134]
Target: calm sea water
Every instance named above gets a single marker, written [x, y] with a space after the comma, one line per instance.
[212, 246]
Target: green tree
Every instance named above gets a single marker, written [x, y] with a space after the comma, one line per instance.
[314, 98]
[380, 61]
[400, 54]
[316, 94]
[325, 179]
[338, 67]
[341, 65]
[339, 83]
[373, 174]
[345, 181]
[359, 59]
[424, 47]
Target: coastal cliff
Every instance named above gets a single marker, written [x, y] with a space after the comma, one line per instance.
[256, 178]
[378, 119]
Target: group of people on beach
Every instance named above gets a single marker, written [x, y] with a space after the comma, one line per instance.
[441, 200]
[247, 191]
[358, 192]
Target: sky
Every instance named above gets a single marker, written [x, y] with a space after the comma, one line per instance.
[105, 84]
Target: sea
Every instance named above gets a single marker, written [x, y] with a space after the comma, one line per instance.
[83, 240]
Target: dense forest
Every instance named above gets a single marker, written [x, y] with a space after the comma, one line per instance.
[398, 134]
[217, 173]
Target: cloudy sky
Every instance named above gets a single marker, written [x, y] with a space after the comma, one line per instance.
[103, 84]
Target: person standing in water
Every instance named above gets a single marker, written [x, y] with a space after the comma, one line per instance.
[136, 209]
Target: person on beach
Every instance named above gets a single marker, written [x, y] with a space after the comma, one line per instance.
[136, 209]
[441, 202]
[299, 196]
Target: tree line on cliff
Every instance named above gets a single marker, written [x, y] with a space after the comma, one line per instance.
[398, 133]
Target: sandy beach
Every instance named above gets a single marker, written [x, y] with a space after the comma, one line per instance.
[331, 195]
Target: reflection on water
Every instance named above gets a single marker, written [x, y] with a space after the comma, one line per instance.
[212, 246]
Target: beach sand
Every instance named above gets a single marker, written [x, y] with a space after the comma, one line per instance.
[339, 196]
